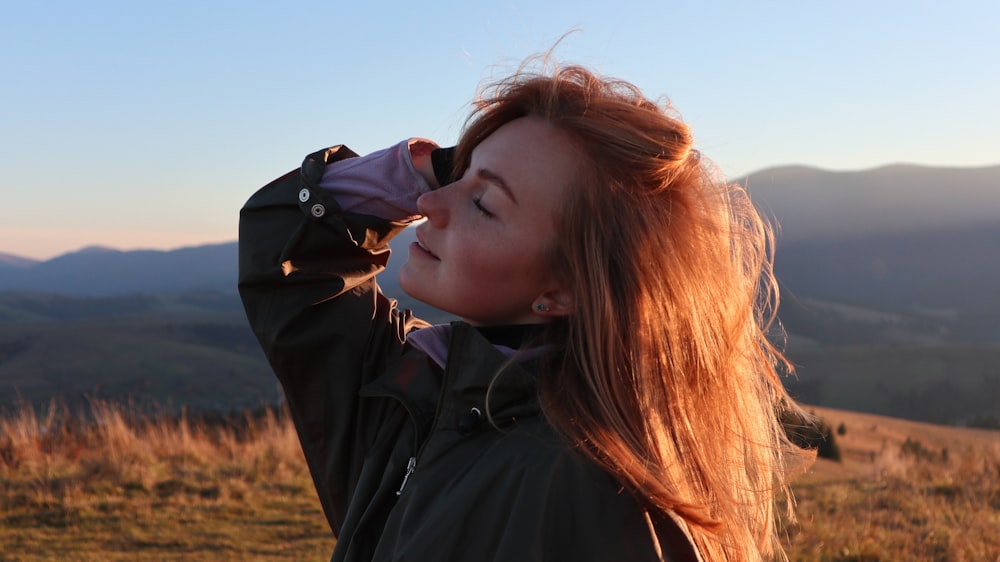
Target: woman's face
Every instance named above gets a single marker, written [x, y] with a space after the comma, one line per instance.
[482, 253]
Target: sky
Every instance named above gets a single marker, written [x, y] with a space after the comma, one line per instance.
[139, 124]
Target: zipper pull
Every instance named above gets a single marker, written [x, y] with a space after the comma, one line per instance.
[410, 467]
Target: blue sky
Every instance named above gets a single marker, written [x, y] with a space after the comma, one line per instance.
[146, 125]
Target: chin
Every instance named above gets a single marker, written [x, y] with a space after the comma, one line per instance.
[412, 288]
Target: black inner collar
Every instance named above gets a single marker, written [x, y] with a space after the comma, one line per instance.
[512, 336]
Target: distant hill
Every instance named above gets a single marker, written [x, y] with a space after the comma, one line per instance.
[943, 279]
[10, 261]
[814, 205]
[103, 271]
[194, 350]
[918, 243]
[888, 281]
[925, 221]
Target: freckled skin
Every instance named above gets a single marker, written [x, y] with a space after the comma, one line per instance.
[484, 247]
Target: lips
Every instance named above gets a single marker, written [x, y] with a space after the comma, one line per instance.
[421, 246]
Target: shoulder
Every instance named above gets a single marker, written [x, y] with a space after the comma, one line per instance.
[578, 511]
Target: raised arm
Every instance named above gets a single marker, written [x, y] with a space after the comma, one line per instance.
[311, 243]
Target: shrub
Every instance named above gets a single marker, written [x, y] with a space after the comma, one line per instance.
[811, 433]
[984, 421]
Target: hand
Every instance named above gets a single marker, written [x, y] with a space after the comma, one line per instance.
[420, 154]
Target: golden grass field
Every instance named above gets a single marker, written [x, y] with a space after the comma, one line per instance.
[135, 488]
[904, 491]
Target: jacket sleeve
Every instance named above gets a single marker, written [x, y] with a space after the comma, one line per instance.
[307, 279]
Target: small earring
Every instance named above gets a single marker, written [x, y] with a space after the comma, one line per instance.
[541, 307]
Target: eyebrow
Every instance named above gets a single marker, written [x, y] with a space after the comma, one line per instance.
[494, 178]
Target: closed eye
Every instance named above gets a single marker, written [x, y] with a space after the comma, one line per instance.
[478, 202]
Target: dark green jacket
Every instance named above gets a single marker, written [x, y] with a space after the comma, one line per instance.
[367, 405]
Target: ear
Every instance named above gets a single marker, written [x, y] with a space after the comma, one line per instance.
[553, 303]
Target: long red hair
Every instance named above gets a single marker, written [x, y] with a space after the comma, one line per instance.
[667, 379]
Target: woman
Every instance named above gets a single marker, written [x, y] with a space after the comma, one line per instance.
[610, 393]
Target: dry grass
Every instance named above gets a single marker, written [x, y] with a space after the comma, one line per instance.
[126, 487]
[904, 491]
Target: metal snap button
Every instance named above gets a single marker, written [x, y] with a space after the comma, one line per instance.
[469, 421]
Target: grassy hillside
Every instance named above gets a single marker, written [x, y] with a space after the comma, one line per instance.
[904, 491]
[942, 279]
[131, 487]
[192, 350]
[196, 350]
[943, 384]
[139, 488]
[115, 360]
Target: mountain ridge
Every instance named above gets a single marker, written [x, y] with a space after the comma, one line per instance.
[813, 204]
[973, 197]
[13, 261]
[899, 318]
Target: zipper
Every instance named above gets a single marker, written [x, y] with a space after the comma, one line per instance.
[446, 376]
[410, 467]
[418, 437]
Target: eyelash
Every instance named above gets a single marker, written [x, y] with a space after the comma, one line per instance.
[477, 201]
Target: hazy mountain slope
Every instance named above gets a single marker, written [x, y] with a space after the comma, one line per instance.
[10, 261]
[889, 283]
[918, 242]
[192, 350]
[813, 204]
[100, 271]
[940, 384]
[948, 278]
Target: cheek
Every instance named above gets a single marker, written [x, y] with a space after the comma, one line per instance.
[507, 264]
[477, 257]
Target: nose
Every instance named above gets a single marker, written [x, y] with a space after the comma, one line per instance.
[433, 206]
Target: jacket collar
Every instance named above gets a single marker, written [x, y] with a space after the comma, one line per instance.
[477, 370]
[457, 378]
